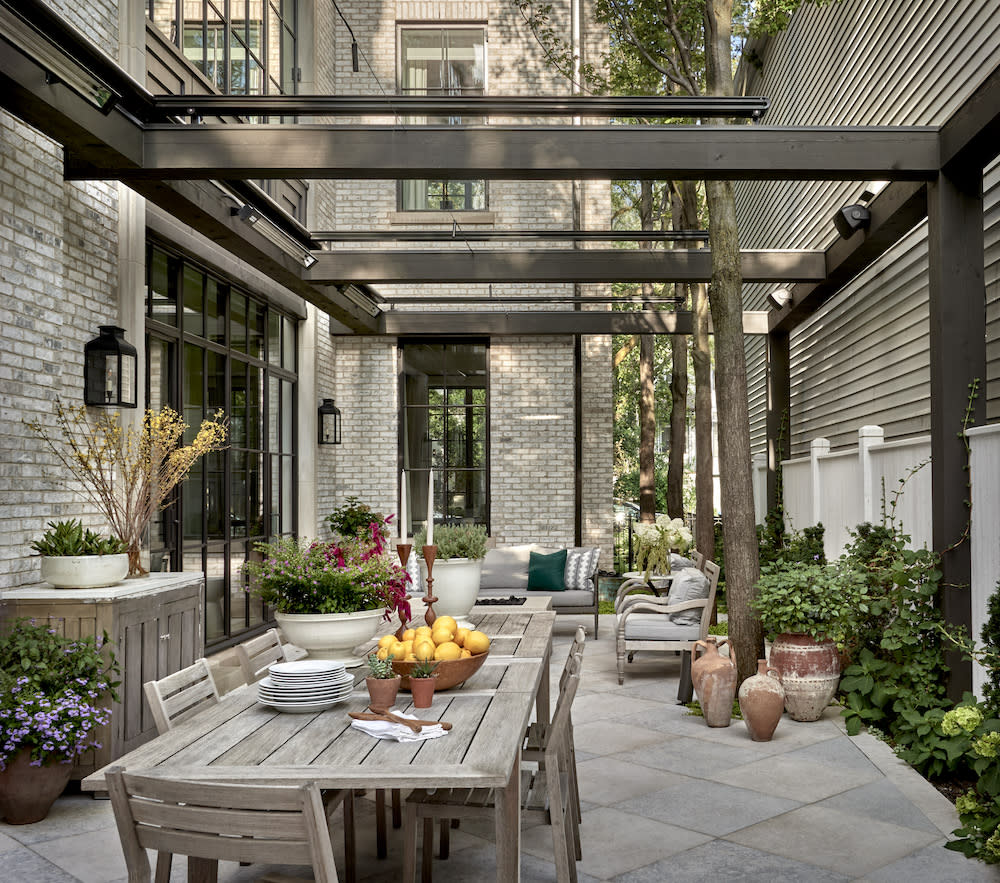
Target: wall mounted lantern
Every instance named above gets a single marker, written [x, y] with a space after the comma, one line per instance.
[329, 423]
[109, 370]
[851, 218]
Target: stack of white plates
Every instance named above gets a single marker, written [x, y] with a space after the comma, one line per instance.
[306, 685]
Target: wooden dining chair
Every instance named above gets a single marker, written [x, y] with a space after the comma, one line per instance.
[209, 822]
[180, 695]
[257, 654]
[545, 796]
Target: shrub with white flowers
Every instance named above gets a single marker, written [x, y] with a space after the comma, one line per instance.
[655, 542]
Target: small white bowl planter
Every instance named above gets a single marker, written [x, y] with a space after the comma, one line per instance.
[84, 571]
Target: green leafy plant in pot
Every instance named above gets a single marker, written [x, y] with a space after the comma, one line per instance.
[458, 568]
[808, 609]
[75, 557]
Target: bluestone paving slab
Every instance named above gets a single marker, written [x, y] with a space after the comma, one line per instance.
[8, 843]
[840, 841]
[601, 706]
[93, 857]
[607, 780]
[784, 776]
[935, 864]
[24, 864]
[881, 800]
[690, 757]
[841, 753]
[721, 861]
[70, 815]
[615, 842]
[712, 808]
[611, 737]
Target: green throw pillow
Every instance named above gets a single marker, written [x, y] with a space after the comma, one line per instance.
[546, 573]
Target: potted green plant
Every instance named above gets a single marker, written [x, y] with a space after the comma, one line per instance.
[422, 679]
[808, 608]
[55, 694]
[382, 683]
[329, 597]
[128, 474]
[78, 558]
[354, 519]
[458, 567]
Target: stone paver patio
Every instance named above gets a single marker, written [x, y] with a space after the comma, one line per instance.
[664, 798]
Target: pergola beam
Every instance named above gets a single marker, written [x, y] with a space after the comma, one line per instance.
[530, 153]
[554, 265]
[971, 137]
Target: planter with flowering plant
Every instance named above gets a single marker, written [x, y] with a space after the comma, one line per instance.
[655, 542]
[328, 597]
[55, 695]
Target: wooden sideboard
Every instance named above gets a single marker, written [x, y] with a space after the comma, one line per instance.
[156, 626]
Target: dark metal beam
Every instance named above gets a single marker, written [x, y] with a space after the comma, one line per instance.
[971, 138]
[632, 106]
[525, 299]
[895, 211]
[505, 323]
[467, 234]
[521, 153]
[554, 265]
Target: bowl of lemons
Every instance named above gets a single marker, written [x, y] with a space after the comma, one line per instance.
[458, 652]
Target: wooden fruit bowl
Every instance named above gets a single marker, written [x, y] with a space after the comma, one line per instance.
[449, 673]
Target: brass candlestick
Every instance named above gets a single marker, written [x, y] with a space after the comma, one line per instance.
[430, 553]
[403, 551]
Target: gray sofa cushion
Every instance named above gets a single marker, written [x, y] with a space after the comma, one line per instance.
[507, 569]
[657, 627]
[689, 584]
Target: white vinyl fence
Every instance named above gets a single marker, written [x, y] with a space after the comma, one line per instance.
[843, 489]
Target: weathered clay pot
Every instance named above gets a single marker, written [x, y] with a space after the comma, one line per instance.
[382, 692]
[762, 700]
[27, 792]
[422, 692]
[714, 679]
[810, 673]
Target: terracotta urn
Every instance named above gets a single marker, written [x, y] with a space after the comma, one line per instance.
[714, 679]
[382, 693]
[27, 792]
[762, 700]
[422, 692]
[810, 673]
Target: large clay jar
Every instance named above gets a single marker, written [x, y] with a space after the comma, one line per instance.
[27, 792]
[714, 679]
[810, 673]
[762, 700]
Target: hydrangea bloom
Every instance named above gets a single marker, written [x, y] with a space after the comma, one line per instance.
[987, 745]
[963, 719]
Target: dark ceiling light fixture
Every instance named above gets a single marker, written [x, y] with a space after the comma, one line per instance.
[354, 41]
[109, 370]
[779, 298]
[852, 218]
[274, 234]
[329, 423]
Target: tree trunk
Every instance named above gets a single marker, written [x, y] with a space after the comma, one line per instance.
[704, 482]
[647, 398]
[678, 383]
[726, 300]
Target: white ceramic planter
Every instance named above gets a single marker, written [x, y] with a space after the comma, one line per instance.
[456, 585]
[84, 571]
[331, 635]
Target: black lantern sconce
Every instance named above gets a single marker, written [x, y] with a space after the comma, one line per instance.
[329, 423]
[109, 370]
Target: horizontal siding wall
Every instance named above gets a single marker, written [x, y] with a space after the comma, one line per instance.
[863, 358]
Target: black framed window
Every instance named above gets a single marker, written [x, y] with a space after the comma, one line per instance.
[436, 60]
[444, 424]
[213, 346]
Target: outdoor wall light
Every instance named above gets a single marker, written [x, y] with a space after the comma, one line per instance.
[246, 213]
[329, 423]
[779, 298]
[109, 370]
[851, 218]
[274, 234]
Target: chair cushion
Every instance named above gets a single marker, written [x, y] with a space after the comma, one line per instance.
[657, 627]
[679, 562]
[689, 584]
[507, 568]
[581, 565]
[547, 572]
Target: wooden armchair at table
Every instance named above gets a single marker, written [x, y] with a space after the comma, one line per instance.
[209, 822]
[648, 622]
[546, 795]
[258, 653]
[180, 695]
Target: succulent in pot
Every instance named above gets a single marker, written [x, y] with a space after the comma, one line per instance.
[382, 682]
[808, 609]
[422, 680]
[74, 557]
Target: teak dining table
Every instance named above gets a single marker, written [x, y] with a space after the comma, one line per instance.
[240, 740]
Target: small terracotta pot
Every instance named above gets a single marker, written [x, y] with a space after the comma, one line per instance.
[714, 678]
[762, 700]
[422, 691]
[382, 692]
[27, 792]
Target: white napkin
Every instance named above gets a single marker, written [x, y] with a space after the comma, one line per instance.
[399, 732]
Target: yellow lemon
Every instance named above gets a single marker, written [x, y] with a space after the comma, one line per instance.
[460, 636]
[387, 641]
[407, 647]
[441, 636]
[397, 650]
[422, 631]
[476, 642]
[465, 653]
[409, 635]
[446, 620]
[410, 658]
[382, 653]
[424, 650]
[448, 650]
